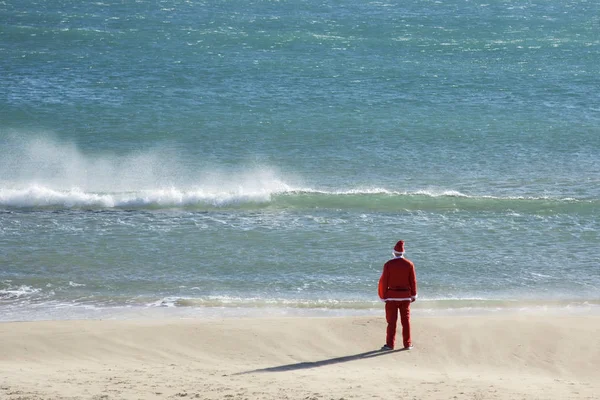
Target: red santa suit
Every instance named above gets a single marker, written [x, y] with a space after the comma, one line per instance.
[398, 288]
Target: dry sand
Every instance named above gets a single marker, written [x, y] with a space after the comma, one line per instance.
[465, 357]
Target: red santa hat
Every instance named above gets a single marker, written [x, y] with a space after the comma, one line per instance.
[399, 247]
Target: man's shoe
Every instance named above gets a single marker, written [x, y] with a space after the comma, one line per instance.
[386, 347]
[408, 347]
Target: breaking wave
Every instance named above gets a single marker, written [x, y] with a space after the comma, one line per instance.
[278, 195]
[44, 173]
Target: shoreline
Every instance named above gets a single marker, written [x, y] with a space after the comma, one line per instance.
[466, 357]
[423, 308]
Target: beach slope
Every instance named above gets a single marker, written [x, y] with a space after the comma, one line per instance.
[466, 357]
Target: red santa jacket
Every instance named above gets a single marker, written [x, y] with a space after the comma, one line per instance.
[398, 280]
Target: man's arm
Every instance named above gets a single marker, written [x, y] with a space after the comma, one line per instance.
[383, 283]
[413, 283]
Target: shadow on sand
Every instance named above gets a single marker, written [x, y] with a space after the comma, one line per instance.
[330, 361]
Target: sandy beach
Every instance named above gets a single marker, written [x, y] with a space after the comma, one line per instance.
[508, 356]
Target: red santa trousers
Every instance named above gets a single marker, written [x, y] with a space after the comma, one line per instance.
[391, 315]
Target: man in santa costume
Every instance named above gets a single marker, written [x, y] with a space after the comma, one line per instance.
[398, 288]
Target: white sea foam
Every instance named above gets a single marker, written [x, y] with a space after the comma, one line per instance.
[40, 196]
[18, 292]
[45, 172]
[254, 191]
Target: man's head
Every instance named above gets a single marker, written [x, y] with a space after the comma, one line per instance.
[399, 249]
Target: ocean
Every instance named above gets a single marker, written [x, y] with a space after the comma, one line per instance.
[262, 157]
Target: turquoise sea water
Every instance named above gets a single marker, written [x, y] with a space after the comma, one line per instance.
[235, 157]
